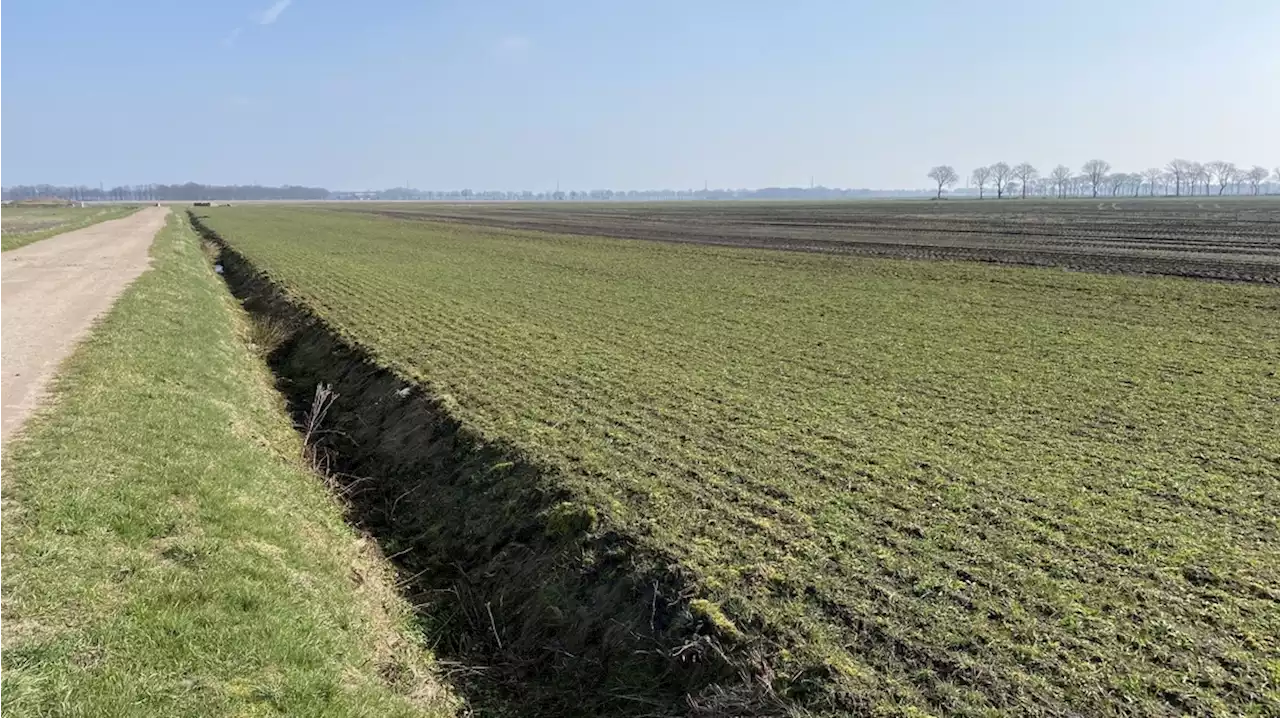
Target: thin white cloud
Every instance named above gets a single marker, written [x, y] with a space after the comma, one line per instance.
[230, 39]
[512, 46]
[272, 13]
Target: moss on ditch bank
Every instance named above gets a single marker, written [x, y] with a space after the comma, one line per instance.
[166, 551]
[562, 614]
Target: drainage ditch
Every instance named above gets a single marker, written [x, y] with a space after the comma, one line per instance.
[550, 613]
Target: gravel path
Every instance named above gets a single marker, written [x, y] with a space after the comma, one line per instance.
[53, 291]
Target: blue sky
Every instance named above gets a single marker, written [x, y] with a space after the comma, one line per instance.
[515, 95]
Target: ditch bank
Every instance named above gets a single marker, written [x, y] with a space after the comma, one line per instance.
[546, 609]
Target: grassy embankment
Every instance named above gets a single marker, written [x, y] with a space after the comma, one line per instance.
[166, 551]
[913, 488]
[22, 225]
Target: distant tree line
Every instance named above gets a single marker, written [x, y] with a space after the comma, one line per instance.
[819, 192]
[191, 191]
[1095, 179]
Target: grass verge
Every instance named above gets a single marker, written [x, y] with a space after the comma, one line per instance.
[166, 552]
[27, 225]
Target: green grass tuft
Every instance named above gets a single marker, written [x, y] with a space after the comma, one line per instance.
[568, 520]
[711, 614]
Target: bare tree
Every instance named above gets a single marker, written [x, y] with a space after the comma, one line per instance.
[1153, 176]
[1061, 175]
[1256, 176]
[1180, 170]
[1001, 172]
[944, 175]
[980, 178]
[1025, 174]
[1201, 175]
[1190, 177]
[1096, 171]
[1115, 181]
[1225, 172]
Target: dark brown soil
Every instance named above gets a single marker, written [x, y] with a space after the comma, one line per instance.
[1236, 239]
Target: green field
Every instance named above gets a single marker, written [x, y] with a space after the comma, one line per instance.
[166, 550]
[21, 225]
[912, 488]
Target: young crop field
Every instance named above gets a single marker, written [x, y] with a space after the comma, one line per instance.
[23, 224]
[907, 488]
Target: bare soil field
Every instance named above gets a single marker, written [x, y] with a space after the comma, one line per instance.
[1235, 239]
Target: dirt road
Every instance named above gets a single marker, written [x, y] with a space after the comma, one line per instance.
[53, 291]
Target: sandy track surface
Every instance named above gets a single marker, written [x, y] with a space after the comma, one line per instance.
[53, 291]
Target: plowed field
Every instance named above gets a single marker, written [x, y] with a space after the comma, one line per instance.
[1232, 239]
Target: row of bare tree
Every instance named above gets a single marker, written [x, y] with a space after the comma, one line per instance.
[1176, 178]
